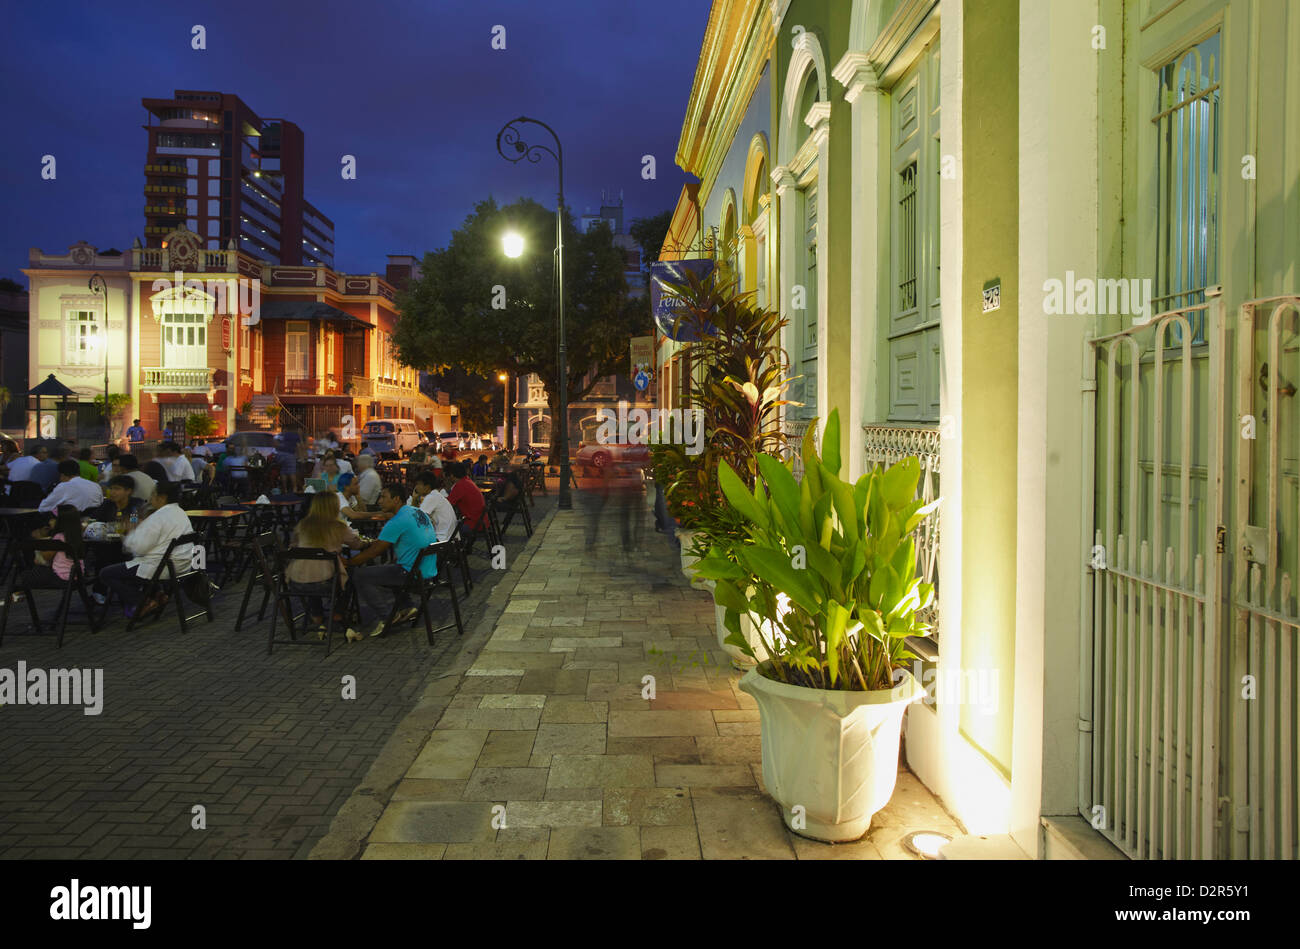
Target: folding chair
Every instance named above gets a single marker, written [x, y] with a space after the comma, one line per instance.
[76, 581]
[284, 598]
[510, 508]
[418, 585]
[265, 549]
[24, 494]
[457, 554]
[167, 579]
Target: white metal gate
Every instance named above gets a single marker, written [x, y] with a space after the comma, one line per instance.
[1186, 756]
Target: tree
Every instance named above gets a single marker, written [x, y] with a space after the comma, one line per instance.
[650, 233]
[478, 397]
[475, 309]
[118, 402]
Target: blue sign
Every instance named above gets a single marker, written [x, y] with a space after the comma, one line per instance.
[665, 307]
[641, 381]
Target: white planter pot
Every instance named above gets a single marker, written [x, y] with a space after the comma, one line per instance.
[748, 630]
[686, 538]
[834, 754]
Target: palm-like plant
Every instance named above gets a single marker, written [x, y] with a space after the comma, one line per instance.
[743, 373]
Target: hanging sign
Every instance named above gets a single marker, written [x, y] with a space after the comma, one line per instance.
[666, 307]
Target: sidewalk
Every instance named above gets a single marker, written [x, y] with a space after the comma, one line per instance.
[546, 748]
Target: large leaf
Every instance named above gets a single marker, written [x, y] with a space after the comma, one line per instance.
[731, 596]
[782, 487]
[774, 567]
[899, 483]
[831, 443]
[837, 618]
[740, 497]
[843, 499]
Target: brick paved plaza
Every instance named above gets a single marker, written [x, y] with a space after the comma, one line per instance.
[534, 720]
[266, 744]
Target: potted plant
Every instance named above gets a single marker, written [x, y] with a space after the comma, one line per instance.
[736, 390]
[830, 569]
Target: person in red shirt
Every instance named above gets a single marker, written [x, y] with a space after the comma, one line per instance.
[464, 494]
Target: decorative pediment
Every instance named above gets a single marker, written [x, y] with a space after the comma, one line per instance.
[182, 298]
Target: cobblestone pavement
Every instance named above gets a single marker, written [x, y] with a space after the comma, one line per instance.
[546, 748]
[266, 744]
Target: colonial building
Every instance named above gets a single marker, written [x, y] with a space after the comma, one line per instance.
[1050, 249]
[218, 332]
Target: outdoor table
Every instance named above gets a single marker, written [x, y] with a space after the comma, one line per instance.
[281, 511]
[208, 522]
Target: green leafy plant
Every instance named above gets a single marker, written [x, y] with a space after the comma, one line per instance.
[199, 424]
[829, 567]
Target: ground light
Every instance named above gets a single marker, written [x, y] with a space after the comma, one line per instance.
[513, 243]
[926, 844]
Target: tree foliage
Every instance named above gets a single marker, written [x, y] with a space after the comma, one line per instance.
[475, 309]
[649, 233]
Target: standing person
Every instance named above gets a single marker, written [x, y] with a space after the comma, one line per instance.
[144, 485]
[465, 495]
[433, 502]
[136, 432]
[368, 480]
[408, 531]
[169, 431]
[286, 454]
[72, 490]
[321, 529]
[146, 543]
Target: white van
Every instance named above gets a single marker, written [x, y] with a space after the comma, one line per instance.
[390, 436]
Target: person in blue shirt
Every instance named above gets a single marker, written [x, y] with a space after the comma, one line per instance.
[408, 531]
[135, 432]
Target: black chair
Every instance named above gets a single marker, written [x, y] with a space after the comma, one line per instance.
[515, 506]
[76, 582]
[24, 494]
[458, 555]
[169, 581]
[419, 586]
[284, 598]
[266, 548]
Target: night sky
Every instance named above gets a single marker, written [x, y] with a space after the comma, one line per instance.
[412, 89]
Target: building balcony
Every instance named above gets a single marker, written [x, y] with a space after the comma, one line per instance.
[302, 387]
[163, 210]
[162, 379]
[362, 386]
[164, 169]
[163, 189]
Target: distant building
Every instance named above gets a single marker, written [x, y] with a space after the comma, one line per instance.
[236, 338]
[216, 168]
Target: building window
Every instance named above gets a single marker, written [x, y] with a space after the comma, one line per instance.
[329, 352]
[297, 360]
[185, 340]
[1187, 177]
[910, 338]
[806, 319]
[244, 349]
[82, 331]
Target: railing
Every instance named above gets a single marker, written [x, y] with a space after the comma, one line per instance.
[886, 445]
[302, 386]
[362, 387]
[167, 169]
[162, 379]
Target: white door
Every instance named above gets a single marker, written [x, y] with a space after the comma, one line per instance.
[185, 340]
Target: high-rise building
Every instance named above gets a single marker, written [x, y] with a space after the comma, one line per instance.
[218, 169]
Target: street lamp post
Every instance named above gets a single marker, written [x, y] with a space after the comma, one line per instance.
[505, 409]
[98, 285]
[513, 148]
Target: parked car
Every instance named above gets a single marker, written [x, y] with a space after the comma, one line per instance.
[595, 455]
[391, 436]
[263, 443]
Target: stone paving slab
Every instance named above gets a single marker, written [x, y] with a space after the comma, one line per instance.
[550, 727]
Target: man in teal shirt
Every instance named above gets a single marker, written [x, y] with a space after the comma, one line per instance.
[408, 531]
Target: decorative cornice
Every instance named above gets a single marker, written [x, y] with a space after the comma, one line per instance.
[856, 74]
[783, 180]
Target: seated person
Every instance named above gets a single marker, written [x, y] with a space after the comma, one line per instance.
[330, 472]
[174, 463]
[112, 454]
[120, 504]
[368, 481]
[146, 543]
[480, 469]
[155, 470]
[198, 464]
[233, 459]
[409, 531]
[53, 568]
[319, 530]
[88, 469]
[434, 503]
[131, 468]
[20, 468]
[465, 495]
[72, 489]
[349, 495]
